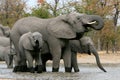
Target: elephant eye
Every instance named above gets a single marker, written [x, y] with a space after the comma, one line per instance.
[78, 17]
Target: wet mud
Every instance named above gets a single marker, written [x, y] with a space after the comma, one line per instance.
[87, 72]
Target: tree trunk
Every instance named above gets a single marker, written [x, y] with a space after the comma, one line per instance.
[99, 45]
[115, 18]
[107, 47]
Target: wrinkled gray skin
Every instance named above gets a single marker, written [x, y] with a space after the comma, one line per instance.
[4, 41]
[4, 31]
[6, 56]
[29, 46]
[56, 32]
[84, 45]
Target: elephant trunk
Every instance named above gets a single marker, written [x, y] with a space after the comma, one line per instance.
[98, 60]
[96, 22]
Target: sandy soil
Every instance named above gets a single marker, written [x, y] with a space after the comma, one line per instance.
[104, 57]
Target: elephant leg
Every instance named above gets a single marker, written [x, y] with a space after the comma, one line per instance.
[39, 65]
[95, 53]
[44, 65]
[55, 51]
[17, 67]
[15, 40]
[23, 63]
[67, 58]
[74, 61]
[30, 61]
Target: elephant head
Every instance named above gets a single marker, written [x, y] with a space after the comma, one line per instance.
[34, 41]
[5, 31]
[83, 21]
[73, 25]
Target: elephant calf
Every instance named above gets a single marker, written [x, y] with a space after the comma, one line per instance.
[30, 45]
[6, 56]
[84, 45]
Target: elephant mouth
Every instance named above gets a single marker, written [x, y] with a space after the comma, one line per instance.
[87, 27]
[90, 25]
[78, 36]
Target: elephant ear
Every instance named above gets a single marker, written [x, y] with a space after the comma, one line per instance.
[27, 41]
[61, 29]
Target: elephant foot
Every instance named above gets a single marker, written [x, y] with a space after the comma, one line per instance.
[68, 69]
[16, 69]
[77, 70]
[40, 67]
[32, 70]
[36, 68]
[24, 68]
[44, 69]
[55, 69]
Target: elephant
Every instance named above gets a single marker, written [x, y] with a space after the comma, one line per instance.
[30, 45]
[6, 56]
[4, 41]
[56, 32]
[4, 30]
[83, 45]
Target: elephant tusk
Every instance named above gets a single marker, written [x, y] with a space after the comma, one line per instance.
[91, 22]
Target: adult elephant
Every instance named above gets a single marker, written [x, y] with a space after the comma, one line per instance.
[84, 45]
[56, 32]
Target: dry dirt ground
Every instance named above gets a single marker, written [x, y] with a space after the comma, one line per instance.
[104, 58]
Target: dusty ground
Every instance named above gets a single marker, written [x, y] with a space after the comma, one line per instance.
[87, 66]
[104, 58]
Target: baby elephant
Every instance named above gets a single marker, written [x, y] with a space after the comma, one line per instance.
[30, 45]
[6, 56]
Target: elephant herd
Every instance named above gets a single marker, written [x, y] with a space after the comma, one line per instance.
[53, 39]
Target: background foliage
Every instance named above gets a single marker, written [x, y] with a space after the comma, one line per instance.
[106, 39]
